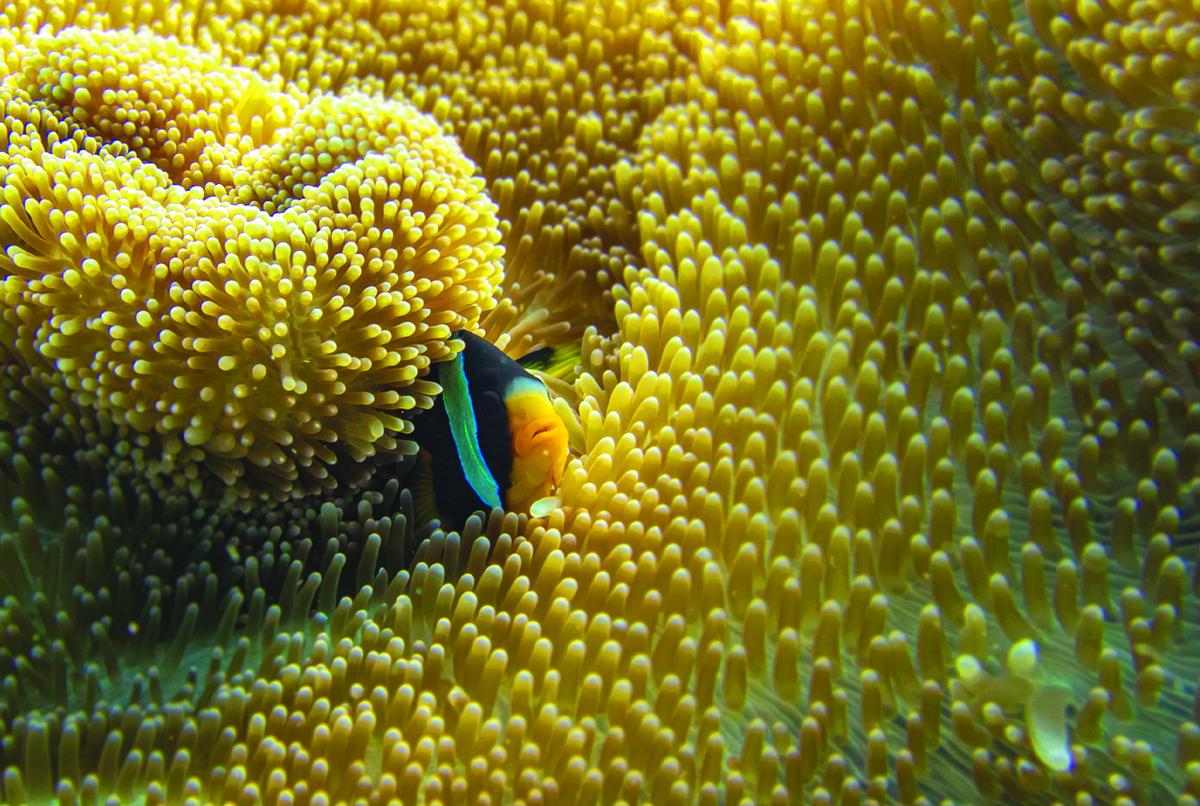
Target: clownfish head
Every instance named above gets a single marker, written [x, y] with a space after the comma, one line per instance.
[539, 444]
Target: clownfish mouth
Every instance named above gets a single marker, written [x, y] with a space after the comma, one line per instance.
[547, 428]
[538, 435]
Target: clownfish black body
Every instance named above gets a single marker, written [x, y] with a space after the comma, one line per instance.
[492, 438]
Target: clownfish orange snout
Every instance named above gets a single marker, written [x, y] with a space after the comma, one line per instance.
[539, 434]
[539, 443]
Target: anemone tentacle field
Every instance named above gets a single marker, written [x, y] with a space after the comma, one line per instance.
[884, 475]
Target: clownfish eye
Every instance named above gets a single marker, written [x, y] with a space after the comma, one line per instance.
[491, 410]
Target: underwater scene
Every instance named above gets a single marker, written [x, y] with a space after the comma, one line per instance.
[600, 402]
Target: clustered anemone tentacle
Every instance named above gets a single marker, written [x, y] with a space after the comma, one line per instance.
[887, 430]
[256, 277]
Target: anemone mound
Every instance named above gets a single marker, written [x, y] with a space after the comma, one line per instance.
[256, 277]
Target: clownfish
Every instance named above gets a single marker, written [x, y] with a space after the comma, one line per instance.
[492, 437]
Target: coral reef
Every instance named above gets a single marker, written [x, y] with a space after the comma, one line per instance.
[888, 431]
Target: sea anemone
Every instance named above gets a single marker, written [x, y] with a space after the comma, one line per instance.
[887, 424]
[255, 277]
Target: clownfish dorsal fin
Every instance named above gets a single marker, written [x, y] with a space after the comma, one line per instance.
[456, 397]
[558, 361]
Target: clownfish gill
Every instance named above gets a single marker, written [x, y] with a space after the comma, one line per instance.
[492, 438]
